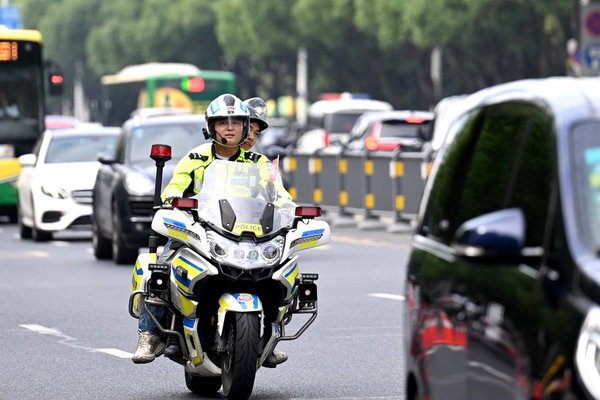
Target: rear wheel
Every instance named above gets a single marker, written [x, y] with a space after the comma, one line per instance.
[121, 253]
[240, 360]
[102, 246]
[202, 384]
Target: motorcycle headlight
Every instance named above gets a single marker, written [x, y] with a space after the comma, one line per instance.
[138, 184]
[54, 192]
[587, 354]
[246, 255]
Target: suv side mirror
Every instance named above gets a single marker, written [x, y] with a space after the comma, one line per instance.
[497, 236]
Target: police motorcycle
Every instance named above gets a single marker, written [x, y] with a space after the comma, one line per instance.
[230, 278]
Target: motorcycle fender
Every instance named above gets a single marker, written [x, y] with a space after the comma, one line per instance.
[141, 273]
[237, 302]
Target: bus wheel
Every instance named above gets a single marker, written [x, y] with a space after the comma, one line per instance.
[13, 215]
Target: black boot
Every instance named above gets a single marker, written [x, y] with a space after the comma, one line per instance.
[275, 358]
[172, 349]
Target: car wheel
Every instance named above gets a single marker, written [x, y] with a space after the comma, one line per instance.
[121, 253]
[102, 247]
[37, 234]
[24, 231]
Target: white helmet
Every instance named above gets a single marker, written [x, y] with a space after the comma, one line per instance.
[226, 106]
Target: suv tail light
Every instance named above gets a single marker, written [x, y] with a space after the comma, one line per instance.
[326, 139]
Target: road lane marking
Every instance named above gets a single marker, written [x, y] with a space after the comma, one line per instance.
[69, 341]
[389, 296]
[14, 255]
[368, 242]
[115, 352]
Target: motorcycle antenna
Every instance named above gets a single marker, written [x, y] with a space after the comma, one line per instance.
[160, 153]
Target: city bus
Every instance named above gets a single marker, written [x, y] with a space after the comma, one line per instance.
[154, 85]
[22, 95]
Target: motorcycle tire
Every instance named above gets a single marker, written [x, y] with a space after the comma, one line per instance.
[203, 385]
[241, 358]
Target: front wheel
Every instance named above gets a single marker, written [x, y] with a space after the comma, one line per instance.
[102, 247]
[204, 385]
[24, 231]
[241, 357]
[121, 252]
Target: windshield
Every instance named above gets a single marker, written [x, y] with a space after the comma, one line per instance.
[180, 136]
[245, 198]
[21, 103]
[585, 146]
[70, 149]
[341, 122]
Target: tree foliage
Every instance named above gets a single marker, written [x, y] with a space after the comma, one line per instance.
[378, 47]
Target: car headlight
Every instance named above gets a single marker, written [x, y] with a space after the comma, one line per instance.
[246, 255]
[138, 184]
[54, 192]
[587, 354]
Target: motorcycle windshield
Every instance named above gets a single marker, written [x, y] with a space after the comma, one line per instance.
[245, 198]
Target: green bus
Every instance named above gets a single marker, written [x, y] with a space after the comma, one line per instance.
[154, 85]
[22, 95]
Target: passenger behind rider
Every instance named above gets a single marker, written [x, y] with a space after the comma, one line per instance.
[227, 126]
[258, 121]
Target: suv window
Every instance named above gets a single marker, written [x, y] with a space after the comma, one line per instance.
[585, 153]
[500, 158]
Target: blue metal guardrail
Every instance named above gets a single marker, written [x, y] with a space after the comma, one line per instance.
[370, 184]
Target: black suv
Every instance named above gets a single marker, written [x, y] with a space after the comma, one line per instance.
[503, 279]
[124, 187]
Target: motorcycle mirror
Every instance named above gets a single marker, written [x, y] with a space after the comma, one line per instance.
[185, 204]
[308, 211]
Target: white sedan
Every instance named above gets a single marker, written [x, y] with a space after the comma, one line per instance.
[55, 185]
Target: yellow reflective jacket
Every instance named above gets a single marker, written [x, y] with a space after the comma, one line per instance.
[189, 172]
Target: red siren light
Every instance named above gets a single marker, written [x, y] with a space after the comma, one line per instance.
[160, 151]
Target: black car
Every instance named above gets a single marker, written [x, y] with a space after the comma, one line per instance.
[503, 279]
[124, 187]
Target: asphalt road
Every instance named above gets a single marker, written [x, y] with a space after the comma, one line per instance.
[66, 333]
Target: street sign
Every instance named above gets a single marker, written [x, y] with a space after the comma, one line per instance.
[590, 38]
[10, 17]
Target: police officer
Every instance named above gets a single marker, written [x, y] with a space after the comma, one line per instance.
[227, 126]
